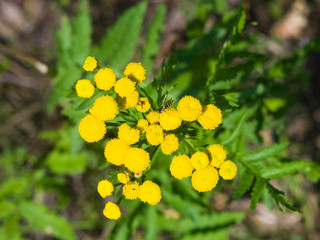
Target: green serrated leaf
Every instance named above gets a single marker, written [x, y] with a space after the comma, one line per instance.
[81, 34]
[265, 152]
[39, 217]
[153, 38]
[283, 169]
[256, 192]
[245, 182]
[279, 199]
[119, 43]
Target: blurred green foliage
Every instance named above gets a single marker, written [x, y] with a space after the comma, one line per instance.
[217, 65]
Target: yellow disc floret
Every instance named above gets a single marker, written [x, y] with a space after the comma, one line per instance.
[92, 129]
[128, 134]
[216, 154]
[137, 160]
[136, 72]
[199, 160]
[112, 211]
[210, 118]
[90, 64]
[169, 144]
[130, 190]
[142, 125]
[153, 117]
[150, 192]
[154, 134]
[181, 167]
[170, 119]
[228, 170]
[128, 101]
[104, 108]
[115, 151]
[204, 179]
[189, 108]
[105, 188]
[84, 88]
[124, 87]
[143, 105]
[123, 177]
[105, 79]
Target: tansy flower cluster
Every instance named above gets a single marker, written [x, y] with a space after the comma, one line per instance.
[152, 128]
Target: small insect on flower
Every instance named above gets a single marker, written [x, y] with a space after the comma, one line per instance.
[166, 106]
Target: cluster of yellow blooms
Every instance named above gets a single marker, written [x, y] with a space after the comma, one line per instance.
[156, 127]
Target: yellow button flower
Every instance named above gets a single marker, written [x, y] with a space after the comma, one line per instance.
[154, 134]
[105, 79]
[130, 190]
[170, 144]
[128, 134]
[150, 192]
[170, 119]
[123, 177]
[210, 118]
[181, 167]
[143, 105]
[128, 101]
[92, 129]
[115, 151]
[228, 170]
[189, 108]
[136, 160]
[84, 88]
[124, 87]
[105, 188]
[199, 160]
[136, 72]
[216, 154]
[104, 108]
[153, 117]
[112, 211]
[204, 179]
[142, 125]
[90, 64]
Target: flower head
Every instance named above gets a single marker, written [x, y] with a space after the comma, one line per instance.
[129, 101]
[154, 134]
[136, 159]
[128, 134]
[115, 151]
[150, 192]
[170, 119]
[112, 211]
[189, 108]
[124, 87]
[143, 105]
[204, 179]
[142, 125]
[90, 64]
[104, 108]
[123, 177]
[130, 190]
[210, 118]
[105, 79]
[228, 170]
[169, 144]
[181, 167]
[92, 129]
[84, 88]
[136, 72]
[105, 188]
[199, 160]
[153, 117]
[216, 154]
